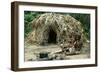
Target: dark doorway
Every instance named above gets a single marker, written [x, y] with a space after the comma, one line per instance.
[52, 37]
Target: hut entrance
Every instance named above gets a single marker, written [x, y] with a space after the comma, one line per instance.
[52, 37]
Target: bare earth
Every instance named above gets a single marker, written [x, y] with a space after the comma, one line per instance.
[31, 52]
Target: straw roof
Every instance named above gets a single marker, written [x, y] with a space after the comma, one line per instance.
[66, 28]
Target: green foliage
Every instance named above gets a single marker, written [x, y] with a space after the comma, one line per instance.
[85, 20]
[28, 17]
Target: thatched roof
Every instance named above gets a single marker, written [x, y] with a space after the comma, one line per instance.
[64, 26]
[58, 20]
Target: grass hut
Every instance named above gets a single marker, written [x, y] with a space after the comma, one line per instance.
[55, 28]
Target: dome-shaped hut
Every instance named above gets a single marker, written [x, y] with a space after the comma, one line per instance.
[55, 28]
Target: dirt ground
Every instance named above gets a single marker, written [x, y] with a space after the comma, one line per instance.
[32, 52]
